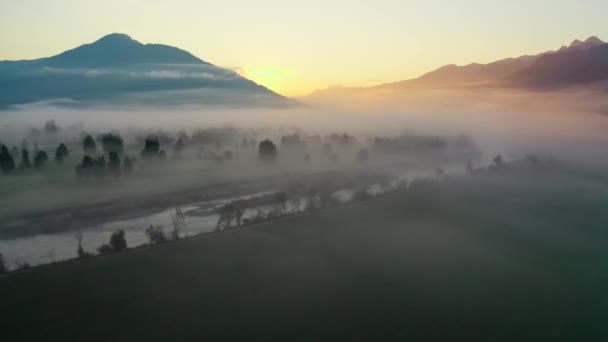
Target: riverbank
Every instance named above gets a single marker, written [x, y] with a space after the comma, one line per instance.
[506, 255]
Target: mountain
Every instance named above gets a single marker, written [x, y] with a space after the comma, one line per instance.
[117, 69]
[580, 62]
[494, 73]
[119, 50]
[472, 74]
[573, 67]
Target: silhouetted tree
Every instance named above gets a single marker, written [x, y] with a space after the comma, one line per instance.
[61, 153]
[114, 164]
[118, 242]
[178, 220]
[183, 136]
[50, 127]
[293, 142]
[112, 143]
[15, 153]
[40, 158]
[228, 213]
[178, 148]
[127, 165]
[469, 166]
[105, 249]
[151, 147]
[343, 139]
[86, 168]
[156, 234]
[498, 161]
[88, 145]
[80, 252]
[281, 199]
[267, 150]
[100, 166]
[363, 155]
[22, 266]
[3, 268]
[7, 163]
[25, 159]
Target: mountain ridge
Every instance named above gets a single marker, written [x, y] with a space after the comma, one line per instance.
[115, 66]
[497, 73]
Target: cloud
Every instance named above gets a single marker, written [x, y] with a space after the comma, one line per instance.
[175, 72]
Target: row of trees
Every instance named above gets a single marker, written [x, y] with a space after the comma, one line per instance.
[99, 168]
[157, 235]
[8, 158]
[117, 244]
[111, 142]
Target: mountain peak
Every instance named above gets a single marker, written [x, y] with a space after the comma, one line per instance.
[118, 49]
[576, 43]
[594, 40]
[588, 43]
[117, 38]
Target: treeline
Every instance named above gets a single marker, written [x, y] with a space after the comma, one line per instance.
[219, 145]
[16, 159]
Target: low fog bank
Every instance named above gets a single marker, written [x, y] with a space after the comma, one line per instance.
[207, 146]
[570, 124]
[197, 157]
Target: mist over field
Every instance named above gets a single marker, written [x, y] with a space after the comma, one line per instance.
[502, 122]
[303, 171]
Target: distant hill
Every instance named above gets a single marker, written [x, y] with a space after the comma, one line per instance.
[119, 70]
[580, 62]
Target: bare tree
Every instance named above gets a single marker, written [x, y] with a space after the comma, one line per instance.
[178, 221]
[229, 212]
[80, 251]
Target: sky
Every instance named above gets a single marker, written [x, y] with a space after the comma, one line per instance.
[295, 47]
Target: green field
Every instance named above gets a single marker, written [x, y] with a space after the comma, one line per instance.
[514, 255]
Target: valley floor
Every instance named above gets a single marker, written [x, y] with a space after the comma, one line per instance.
[514, 254]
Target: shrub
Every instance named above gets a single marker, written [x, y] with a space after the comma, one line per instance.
[267, 150]
[118, 242]
[105, 249]
[112, 143]
[156, 234]
[40, 158]
[86, 168]
[88, 145]
[61, 153]
[25, 159]
[7, 163]
[151, 147]
[50, 127]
